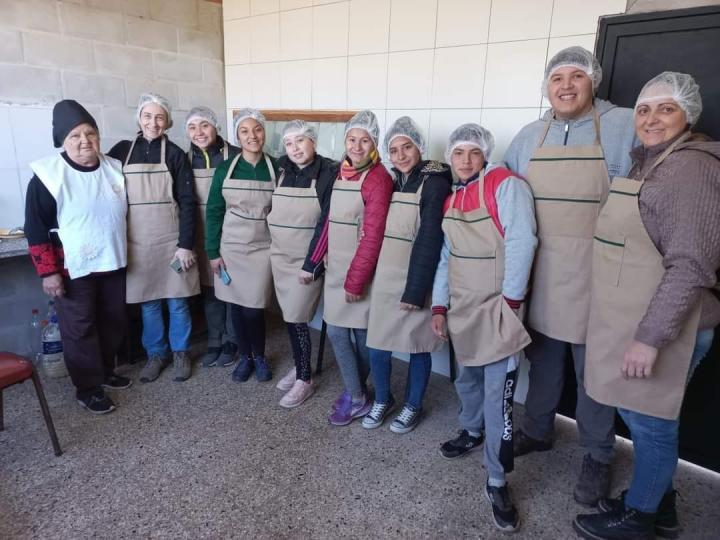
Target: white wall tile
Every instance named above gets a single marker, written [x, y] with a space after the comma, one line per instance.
[235, 9]
[238, 82]
[296, 84]
[557, 44]
[329, 83]
[442, 123]
[294, 4]
[458, 77]
[370, 26]
[31, 129]
[11, 200]
[7, 155]
[237, 41]
[462, 22]
[367, 81]
[259, 7]
[410, 79]
[265, 38]
[512, 20]
[296, 30]
[412, 24]
[572, 17]
[323, 2]
[420, 116]
[515, 74]
[330, 30]
[504, 124]
[265, 85]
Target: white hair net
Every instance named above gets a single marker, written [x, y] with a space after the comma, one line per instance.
[574, 57]
[244, 114]
[296, 128]
[473, 134]
[202, 113]
[405, 127]
[157, 99]
[365, 120]
[680, 87]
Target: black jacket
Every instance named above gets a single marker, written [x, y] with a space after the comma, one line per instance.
[214, 154]
[324, 170]
[179, 167]
[429, 240]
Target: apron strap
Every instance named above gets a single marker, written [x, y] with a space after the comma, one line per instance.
[132, 146]
[225, 151]
[669, 150]
[231, 168]
[273, 177]
[596, 122]
[162, 149]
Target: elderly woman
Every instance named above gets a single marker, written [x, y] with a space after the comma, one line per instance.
[161, 232]
[479, 288]
[237, 240]
[75, 225]
[400, 303]
[652, 315]
[300, 208]
[207, 151]
[352, 239]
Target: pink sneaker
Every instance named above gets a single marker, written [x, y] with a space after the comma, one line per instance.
[297, 395]
[349, 411]
[287, 382]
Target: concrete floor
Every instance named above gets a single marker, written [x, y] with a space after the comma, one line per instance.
[210, 458]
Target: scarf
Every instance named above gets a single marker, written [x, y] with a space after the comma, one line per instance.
[348, 170]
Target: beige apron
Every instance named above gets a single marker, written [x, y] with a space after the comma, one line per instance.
[390, 328]
[344, 230]
[203, 180]
[482, 327]
[245, 239]
[153, 227]
[570, 183]
[292, 220]
[627, 270]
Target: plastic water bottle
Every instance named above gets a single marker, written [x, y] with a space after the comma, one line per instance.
[34, 345]
[52, 348]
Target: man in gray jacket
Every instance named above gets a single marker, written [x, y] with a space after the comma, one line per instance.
[568, 158]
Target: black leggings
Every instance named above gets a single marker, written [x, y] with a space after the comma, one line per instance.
[302, 349]
[249, 325]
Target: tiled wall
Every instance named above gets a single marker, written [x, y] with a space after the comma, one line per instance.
[443, 62]
[104, 53]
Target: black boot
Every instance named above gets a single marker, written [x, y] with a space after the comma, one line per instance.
[621, 524]
[666, 522]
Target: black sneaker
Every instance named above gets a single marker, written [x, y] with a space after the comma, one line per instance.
[666, 521]
[504, 512]
[244, 369]
[378, 413]
[210, 358]
[228, 355]
[461, 445]
[593, 483]
[620, 524]
[525, 444]
[97, 402]
[117, 382]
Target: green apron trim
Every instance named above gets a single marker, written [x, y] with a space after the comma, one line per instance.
[396, 238]
[246, 217]
[470, 257]
[608, 242]
[467, 221]
[560, 199]
[624, 193]
[569, 159]
[290, 227]
[343, 222]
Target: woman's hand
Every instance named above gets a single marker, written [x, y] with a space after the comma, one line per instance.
[186, 258]
[639, 360]
[216, 265]
[352, 298]
[305, 278]
[408, 307]
[53, 285]
[439, 326]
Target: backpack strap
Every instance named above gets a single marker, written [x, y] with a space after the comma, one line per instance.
[493, 179]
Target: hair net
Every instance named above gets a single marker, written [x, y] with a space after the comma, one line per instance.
[244, 114]
[575, 57]
[365, 120]
[405, 127]
[202, 113]
[473, 134]
[157, 99]
[681, 87]
[296, 128]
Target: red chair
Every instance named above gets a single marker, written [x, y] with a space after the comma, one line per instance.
[15, 369]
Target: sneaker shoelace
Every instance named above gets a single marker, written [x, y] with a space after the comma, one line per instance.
[378, 409]
[406, 415]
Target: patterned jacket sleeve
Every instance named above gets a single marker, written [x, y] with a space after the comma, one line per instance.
[40, 217]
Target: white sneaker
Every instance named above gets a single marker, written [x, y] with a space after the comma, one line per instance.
[297, 395]
[287, 382]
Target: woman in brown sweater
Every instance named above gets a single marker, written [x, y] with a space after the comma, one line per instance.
[653, 313]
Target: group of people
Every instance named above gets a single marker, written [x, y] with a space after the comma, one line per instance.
[597, 236]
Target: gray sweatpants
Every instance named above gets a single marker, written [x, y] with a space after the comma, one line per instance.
[354, 367]
[595, 422]
[219, 322]
[482, 391]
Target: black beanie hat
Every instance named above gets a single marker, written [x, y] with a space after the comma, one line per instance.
[67, 114]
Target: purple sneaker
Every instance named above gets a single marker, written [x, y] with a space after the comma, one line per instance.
[342, 401]
[349, 411]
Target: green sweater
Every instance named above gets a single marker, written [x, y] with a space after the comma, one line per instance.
[215, 211]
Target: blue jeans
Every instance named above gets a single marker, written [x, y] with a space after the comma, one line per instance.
[417, 379]
[153, 333]
[655, 441]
